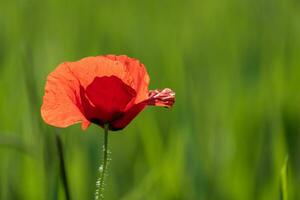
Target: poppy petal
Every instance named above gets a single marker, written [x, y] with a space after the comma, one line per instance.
[85, 124]
[87, 69]
[60, 107]
[109, 95]
[128, 116]
[139, 75]
[89, 110]
[165, 98]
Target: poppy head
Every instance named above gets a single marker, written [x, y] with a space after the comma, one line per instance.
[101, 90]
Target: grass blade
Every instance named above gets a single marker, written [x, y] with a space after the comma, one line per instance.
[283, 180]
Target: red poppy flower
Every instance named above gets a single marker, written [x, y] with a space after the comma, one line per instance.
[101, 90]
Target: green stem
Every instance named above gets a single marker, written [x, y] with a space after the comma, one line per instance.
[62, 167]
[102, 169]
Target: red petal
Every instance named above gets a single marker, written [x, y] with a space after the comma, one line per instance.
[109, 96]
[87, 69]
[127, 117]
[60, 107]
[85, 124]
[139, 75]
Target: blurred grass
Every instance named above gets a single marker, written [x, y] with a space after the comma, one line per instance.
[234, 65]
[284, 180]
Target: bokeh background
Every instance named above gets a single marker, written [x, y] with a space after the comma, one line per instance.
[235, 67]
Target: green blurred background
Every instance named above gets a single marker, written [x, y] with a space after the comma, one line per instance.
[235, 67]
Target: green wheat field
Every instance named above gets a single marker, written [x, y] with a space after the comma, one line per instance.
[233, 133]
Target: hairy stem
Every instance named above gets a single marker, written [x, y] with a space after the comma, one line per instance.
[102, 169]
